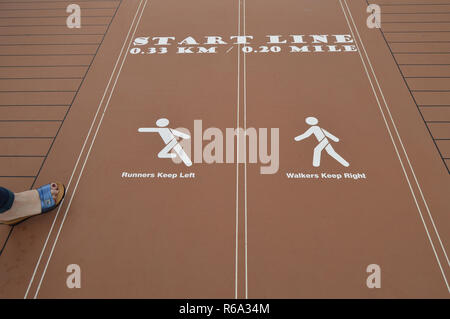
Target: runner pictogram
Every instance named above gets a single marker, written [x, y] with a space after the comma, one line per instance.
[169, 137]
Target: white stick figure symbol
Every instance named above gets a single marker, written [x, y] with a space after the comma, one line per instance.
[169, 136]
[322, 136]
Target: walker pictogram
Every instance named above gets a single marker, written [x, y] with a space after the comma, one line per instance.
[321, 135]
[169, 137]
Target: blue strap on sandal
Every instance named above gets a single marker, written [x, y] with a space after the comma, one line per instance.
[47, 201]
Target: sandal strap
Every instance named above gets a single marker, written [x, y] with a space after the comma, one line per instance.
[47, 201]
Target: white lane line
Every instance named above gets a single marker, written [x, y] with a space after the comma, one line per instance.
[245, 162]
[401, 143]
[390, 133]
[89, 152]
[237, 158]
[81, 152]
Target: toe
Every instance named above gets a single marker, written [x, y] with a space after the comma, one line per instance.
[54, 193]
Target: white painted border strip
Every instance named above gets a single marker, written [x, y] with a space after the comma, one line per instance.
[389, 130]
[87, 156]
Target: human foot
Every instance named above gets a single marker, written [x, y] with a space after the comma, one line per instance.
[27, 204]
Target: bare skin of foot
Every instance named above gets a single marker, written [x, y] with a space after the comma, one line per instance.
[26, 204]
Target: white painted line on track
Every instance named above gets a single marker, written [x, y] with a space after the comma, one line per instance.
[389, 130]
[245, 162]
[237, 157]
[90, 148]
[401, 143]
[81, 152]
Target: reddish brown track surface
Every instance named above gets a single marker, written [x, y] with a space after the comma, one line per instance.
[72, 100]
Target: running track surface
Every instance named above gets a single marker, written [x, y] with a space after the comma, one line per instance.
[230, 231]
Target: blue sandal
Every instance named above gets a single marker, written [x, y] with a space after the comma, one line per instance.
[47, 202]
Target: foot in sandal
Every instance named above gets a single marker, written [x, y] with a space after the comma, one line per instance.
[33, 202]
